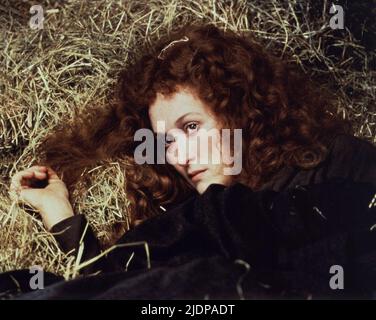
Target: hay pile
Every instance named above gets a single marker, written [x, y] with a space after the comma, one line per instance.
[70, 65]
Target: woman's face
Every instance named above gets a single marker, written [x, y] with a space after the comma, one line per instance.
[195, 143]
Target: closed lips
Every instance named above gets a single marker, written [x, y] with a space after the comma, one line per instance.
[193, 173]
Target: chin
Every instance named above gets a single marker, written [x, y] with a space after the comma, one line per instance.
[201, 186]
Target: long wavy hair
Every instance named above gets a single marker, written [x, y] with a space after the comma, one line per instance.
[287, 119]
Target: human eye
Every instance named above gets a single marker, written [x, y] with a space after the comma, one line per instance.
[169, 140]
[191, 127]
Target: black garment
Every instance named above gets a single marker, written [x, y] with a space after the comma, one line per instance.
[349, 157]
[204, 247]
[234, 242]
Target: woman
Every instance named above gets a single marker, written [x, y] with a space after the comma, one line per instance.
[295, 155]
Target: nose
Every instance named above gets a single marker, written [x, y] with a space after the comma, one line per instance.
[186, 151]
[191, 152]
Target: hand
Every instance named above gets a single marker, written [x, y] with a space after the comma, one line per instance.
[41, 188]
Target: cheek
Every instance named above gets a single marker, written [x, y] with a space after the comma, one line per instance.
[170, 156]
[179, 169]
[214, 150]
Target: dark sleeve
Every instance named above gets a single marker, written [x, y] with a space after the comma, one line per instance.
[75, 235]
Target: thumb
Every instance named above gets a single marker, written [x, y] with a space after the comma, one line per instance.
[30, 196]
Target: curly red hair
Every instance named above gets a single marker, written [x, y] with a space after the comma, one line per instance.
[287, 119]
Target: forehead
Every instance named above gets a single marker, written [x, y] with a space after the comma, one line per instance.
[171, 108]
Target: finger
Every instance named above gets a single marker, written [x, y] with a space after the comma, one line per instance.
[37, 168]
[17, 178]
[52, 174]
[41, 169]
[26, 173]
[15, 192]
[22, 178]
[26, 177]
[27, 195]
[34, 173]
[31, 169]
[40, 175]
